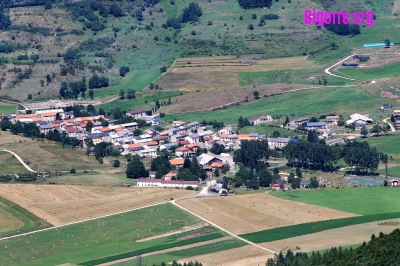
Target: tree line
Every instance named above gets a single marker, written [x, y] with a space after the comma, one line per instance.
[250, 4]
[381, 250]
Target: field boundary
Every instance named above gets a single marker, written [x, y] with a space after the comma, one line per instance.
[252, 98]
[314, 227]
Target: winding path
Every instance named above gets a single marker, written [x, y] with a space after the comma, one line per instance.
[329, 73]
[20, 160]
[390, 124]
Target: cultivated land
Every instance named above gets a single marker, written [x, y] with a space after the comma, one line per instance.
[344, 236]
[364, 200]
[61, 204]
[108, 238]
[47, 155]
[16, 220]
[254, 212]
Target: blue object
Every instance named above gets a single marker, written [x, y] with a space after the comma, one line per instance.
[376, 45]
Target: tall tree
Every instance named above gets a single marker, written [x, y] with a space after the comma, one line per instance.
[136, 168]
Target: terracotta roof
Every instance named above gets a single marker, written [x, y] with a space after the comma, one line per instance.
[165, 132]
[176, 161]
[35, 119]
[181, 149]
[170, 174]
[223, 136]
[351, 137]
[119, 129]
[243, 136]
[28, 116]
[49, 114]
[184, 142]
[134, 145]
[192, 145]
[152, 143]
[217, 165]
[104, 129]
[85, 118]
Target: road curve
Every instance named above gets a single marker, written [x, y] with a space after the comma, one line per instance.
[20, 160]
[391, 126]
[222, 229]
[329, 73]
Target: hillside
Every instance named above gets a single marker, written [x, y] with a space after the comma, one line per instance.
[66, 41]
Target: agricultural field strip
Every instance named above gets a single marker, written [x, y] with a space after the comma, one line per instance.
[14, 103]
[269, 95]
[20, 160]
[81, 221]
[221, 228]
[314, 227]
[329, 73]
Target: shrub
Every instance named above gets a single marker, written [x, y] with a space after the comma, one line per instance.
[72, 171]
[189, 188]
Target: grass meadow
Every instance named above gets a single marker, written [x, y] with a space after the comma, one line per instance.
[6, 108]
[269, 131]
[9, 164]
[389, 70]
[16, 220]
[93, 179]
[109, 237]
[314, 102]
[314, 227]
[364, 200]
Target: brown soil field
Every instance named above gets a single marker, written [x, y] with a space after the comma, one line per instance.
[193, 74]
[242, 214]
[208, 99]
[61, 204]
[243, 256]
[344, 236]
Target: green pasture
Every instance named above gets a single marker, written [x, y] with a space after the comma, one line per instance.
[6, 108]
[28, 221]
[287, 76]
[314, 102]
[389, 70]
[269, 131]
[389, 144]
[9, 164]
[314, 227]
[188, 253]
[92, 179]
[147, 102]
[392, 171]
[358, 200]
[104, 239]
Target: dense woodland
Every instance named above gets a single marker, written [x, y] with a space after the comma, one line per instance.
[383, 250]
[249, 4]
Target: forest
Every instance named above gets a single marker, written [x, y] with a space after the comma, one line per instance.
[382, 250]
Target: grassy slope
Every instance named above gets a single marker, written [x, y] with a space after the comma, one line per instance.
[27, 220]
[9, 164]
[301, 103]
[99, 238]
[387, 144]
[314, 227]
[268, 131]
[6, 108]
[385, 71]
[360, 200]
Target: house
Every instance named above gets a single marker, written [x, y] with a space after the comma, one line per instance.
[206, 160]
[152, 174]
[178, 162]
[257, 120]
[181, 151]
[45, 128]
[220, 182]
[137, 114]
[332, 120]
[300, 121]
[316, 125]
[278, 185]
[130, 126]
[394, 182]
[280, 142]
[396, 113]
[349, 139]
[305, 183]
[327, 134]
[226, 130]
[358, 119]
[168, 146]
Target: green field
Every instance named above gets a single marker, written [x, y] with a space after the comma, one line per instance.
[269, 130]
[302, 103]
[314, 227]
[12, 216]
[6, 108]
[9, 164]
[358, 200]
[147, 102]
[389, 70]
[187, 253]
[288, 76]
[93, 179]
[112, 237]
[389, 144]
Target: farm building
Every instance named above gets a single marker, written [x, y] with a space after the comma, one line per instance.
[278, 184]
[358, 119]
[280, 142]
[301, 121]
[257, 120]
[316, 125]
[352, 65]
[349, 139]
[220, 182]
[139, 113]
[305, 183]
[332, 120]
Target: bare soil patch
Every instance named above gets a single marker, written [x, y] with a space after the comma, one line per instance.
[61, 204]
[247, 255]
[241, 214]
[343, 236]
[175, 232]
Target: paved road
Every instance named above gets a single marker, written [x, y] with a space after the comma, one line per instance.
[222, 229]
[20, 160]
[329, 73]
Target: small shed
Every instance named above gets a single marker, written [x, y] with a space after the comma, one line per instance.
[278, 184]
